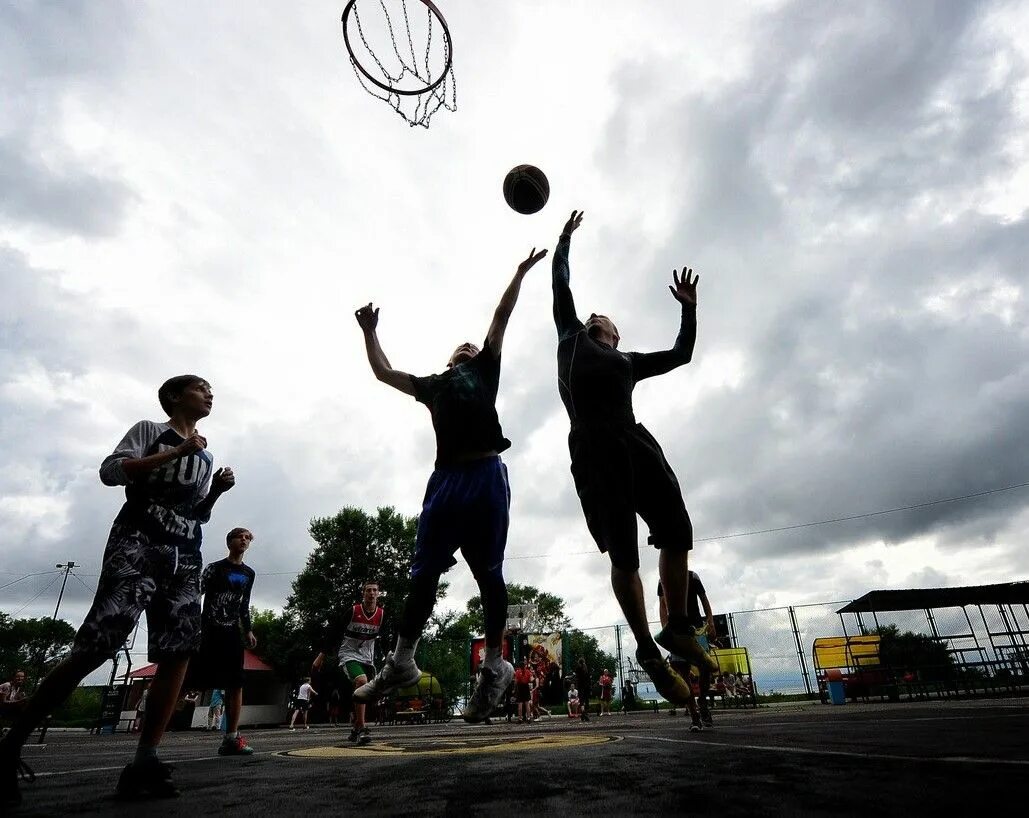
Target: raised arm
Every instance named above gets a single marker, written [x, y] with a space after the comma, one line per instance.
[495, 336]
[564, 304]
[648, 364]
[368, 320]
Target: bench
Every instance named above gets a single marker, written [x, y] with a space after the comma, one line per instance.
[860, 667]
[734, 682]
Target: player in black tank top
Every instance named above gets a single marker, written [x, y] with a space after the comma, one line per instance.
[618, 466]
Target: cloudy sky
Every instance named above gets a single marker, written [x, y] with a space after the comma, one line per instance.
[199, 187]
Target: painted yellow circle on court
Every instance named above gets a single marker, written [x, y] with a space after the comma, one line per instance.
[451, 745]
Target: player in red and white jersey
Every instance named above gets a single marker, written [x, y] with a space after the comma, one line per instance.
[357, 651]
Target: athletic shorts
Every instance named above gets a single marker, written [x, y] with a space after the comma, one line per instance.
[139, 575]
[303, 705]
[522, 693]
[353, 669]
[605, 694]
[466, 507]
[619, 472]
[219, 663]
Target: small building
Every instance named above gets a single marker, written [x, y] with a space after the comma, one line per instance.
[264, 695]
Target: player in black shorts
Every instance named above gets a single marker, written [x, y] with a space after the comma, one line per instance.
[618, 466]
[225, 627]
[151, 563]
[466, 503]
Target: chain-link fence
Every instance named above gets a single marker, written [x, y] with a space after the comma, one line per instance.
[779, 641]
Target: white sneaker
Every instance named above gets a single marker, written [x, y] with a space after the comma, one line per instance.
[489, 691]
[391, 677]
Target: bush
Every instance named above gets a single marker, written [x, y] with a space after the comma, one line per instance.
[81, 709]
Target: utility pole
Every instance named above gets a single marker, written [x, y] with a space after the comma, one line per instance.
[67, 570]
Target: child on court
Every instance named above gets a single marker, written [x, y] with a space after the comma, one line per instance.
[152, 563]
[227, 585]
[466, 501]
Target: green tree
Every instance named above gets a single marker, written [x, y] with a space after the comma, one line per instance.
[351, 548]
[916, 652]
[34, 645]
[550, 609]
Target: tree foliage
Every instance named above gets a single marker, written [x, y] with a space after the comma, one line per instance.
[917, 652]
[34, 645]
[550, 609]
[351, 548]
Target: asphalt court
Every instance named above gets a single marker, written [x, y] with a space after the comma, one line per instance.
[898, 759]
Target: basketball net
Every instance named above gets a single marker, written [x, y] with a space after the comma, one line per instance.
[389, 66]
[521, 617]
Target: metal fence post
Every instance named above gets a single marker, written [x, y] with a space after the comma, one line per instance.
[800, 650]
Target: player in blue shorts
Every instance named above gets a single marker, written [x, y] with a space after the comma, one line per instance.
[466, 501]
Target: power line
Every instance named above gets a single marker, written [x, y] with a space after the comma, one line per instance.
[27, 576]
[864, 515]
[82, 583]
[49, 585]
[809, 525]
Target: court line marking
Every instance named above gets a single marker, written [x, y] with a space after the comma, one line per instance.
[165, 759]
[772, 748]
[850, 720]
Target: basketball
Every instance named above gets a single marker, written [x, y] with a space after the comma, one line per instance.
[526, 189]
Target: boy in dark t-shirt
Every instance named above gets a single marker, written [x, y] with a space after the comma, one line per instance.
[152, 562]
[225, 620]
[466, 501]
[618, 467]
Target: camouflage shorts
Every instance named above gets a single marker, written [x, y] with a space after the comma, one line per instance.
[138, 576]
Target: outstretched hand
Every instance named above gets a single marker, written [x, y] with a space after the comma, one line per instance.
[573, 223]
[530, 262]
[367, 318]
[685, 289]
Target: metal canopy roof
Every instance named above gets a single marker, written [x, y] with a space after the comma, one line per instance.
[1005, 593]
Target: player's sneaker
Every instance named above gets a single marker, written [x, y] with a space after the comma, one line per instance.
[668, 683]
[151, 778]
[354, 735]
[685, 644]
[235, 746]
[705, 717]
[392, 676]
[696, 726]
[364, 738]
[489, 691]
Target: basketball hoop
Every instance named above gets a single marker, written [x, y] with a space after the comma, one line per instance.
[415, 86]
[521, 617]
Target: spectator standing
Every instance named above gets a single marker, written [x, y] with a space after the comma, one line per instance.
[583, 682]
[606, 687]
[523, 690]
[303, 704]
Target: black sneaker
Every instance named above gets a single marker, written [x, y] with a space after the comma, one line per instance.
[355, 734]
[364, 737]
[696, 726]
[151, 778]
[705, 717]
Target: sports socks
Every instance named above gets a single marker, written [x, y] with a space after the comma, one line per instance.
[404, 652]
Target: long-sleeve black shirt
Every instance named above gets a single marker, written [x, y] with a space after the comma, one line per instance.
[596, 380]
